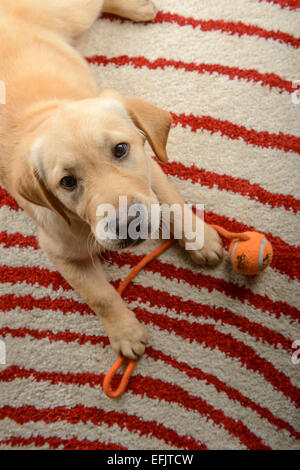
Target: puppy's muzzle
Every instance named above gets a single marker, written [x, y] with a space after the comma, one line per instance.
[131, 230]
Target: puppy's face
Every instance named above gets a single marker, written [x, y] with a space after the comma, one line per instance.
[89, 162]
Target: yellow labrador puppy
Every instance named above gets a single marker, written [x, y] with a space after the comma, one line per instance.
[65, 149]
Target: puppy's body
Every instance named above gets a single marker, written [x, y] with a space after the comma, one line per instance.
[55, 125]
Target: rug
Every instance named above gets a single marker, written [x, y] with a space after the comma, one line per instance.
[221, 370]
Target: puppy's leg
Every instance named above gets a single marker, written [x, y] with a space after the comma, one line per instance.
[212, 251]
[70, 18]
[127, 336]
[136, 10]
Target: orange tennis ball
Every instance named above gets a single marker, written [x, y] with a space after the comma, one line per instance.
[251, 256]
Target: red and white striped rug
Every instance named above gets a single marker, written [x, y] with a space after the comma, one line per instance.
[218, 371]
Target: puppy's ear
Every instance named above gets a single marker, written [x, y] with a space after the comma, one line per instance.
[29, 185]
[153, 121]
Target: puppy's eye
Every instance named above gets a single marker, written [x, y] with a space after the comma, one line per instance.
[68, 182]
[121, 150]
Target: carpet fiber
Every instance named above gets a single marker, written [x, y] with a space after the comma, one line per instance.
[218, 372]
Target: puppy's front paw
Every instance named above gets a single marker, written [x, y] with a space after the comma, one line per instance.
[212, 251]
[127, 336]
[141, 10]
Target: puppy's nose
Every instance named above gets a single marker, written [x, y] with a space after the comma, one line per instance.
[123, 229]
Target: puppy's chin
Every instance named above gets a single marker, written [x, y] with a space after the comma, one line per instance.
[130, 243]
[119, 245]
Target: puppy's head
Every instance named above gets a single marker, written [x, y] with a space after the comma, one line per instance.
[88, 161]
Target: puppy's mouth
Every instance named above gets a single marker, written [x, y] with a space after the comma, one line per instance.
[128, 243]
[118, 244]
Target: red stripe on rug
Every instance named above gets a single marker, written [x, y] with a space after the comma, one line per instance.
[65, 336]
[7, 200]
[201, 280]
[160, 299]
[170, 393]
[206, 335]
[290, 4]
[9, 302]
[227, 27]
[33, 275]
[93, 380]
[230, 184]
[263, 139]
[97, 416]
[250, 75]
[58, 443]
[18, 240]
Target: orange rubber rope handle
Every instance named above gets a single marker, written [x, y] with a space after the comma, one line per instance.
[231, 235]
[131, 365]
[143, 263]
[124, 381]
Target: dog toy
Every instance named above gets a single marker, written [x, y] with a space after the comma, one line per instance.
[249, 252]
[131, 365]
